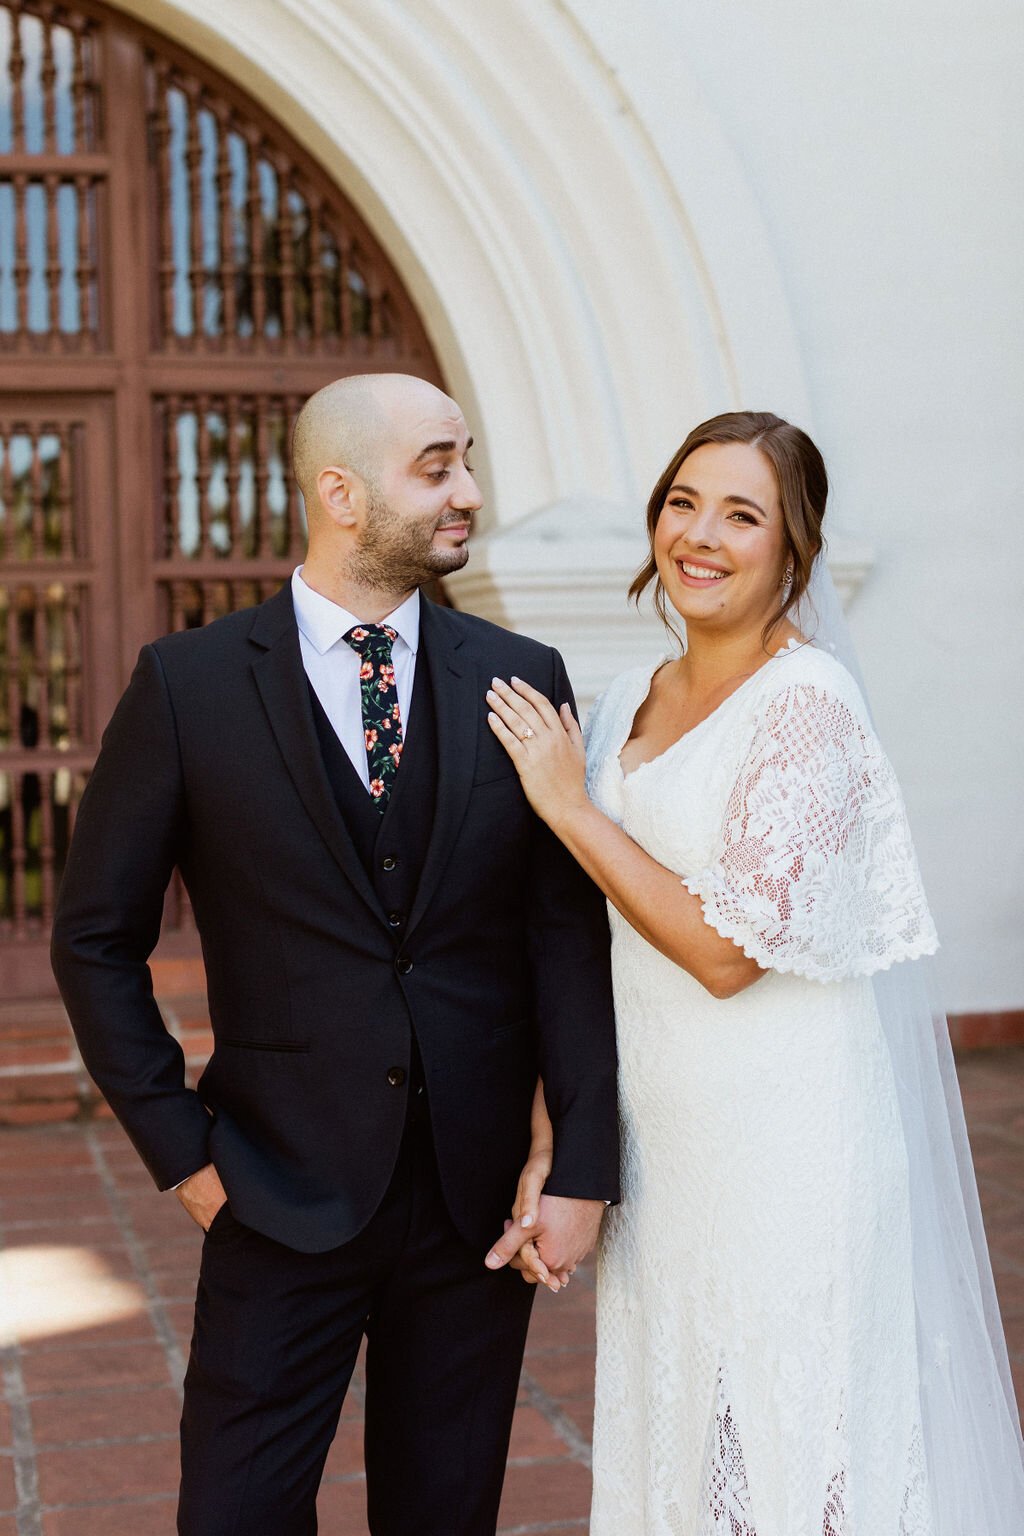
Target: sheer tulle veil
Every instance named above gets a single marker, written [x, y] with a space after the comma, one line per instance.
[971, 1427]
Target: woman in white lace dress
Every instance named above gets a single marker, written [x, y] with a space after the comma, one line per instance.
[758, 1359]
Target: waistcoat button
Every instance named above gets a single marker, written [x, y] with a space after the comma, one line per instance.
[396, 1076]
[389, 863]
[403, 965]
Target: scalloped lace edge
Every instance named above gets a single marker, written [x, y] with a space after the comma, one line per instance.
[869, 965]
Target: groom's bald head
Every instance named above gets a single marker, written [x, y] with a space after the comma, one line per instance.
[341, 424]
[349, 423]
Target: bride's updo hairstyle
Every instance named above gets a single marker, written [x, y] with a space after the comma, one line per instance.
[803, 490]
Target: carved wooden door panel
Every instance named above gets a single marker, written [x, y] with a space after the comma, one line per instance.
[176, 276]
[57, 603]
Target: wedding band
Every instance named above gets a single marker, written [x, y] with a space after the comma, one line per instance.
[527, 734]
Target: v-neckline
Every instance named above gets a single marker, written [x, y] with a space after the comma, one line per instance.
[786, 650]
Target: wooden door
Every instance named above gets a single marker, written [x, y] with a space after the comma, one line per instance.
[176, 276]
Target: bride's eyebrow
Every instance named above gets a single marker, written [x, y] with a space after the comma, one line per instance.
[746, 501]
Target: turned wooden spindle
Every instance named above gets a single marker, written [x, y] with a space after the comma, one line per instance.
[257, 249]
[71, 621]
[261, 476]
[172, 476]
[165, 180]
[52, 185]
[46, 848]
[85, 269]
[65, 499]
[35, 482]
[16, 77]
[193, 173]
[48, 81]
[81, 138]
[226, 225]
[286, 249]
[41, 662]
[204, 470]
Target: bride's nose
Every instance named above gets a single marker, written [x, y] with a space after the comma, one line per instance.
[701, 531]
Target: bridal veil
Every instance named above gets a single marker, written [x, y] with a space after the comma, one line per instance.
[971, 1428]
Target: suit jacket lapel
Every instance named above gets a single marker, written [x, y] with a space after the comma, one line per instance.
[458, 706]
[281, 680]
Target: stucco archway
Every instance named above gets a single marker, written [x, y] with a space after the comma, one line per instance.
[584, 308]
[570, 293]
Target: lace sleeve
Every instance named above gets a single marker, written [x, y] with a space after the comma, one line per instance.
[816, 872]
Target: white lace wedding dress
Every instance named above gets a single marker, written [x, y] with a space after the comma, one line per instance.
[757, 1363]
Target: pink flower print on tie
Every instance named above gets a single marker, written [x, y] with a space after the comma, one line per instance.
[378, 692]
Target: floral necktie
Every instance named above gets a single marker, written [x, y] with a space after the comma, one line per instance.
[382, 720]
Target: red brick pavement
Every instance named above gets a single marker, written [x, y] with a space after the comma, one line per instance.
[96, 1280]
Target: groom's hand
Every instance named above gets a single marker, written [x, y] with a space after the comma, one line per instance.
[564, 1232]
[567, 1230]
[202, 1195]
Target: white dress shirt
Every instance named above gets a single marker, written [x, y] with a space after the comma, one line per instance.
[332, 666]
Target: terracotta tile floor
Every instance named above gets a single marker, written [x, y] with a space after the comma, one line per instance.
[97, 1274]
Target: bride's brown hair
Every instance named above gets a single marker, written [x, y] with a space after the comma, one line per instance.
[803, 490]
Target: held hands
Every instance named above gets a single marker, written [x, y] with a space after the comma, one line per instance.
[548, 1235]
[560, 1236]
[524, 1215]
[546, 746]
[202, 1195]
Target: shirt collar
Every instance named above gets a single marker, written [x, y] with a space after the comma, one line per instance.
[324, 622]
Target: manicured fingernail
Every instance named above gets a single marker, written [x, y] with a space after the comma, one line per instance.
[493, 1261]
[516, 681]
[527, 1220]
[495, 682]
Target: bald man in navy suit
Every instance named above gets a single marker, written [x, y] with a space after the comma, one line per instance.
[397, 952]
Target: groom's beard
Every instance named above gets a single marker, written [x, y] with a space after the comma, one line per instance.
[398, 553]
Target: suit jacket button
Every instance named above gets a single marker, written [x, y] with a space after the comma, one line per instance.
[395, 919]
[403, 965]
[396, 1076]
[389, 863]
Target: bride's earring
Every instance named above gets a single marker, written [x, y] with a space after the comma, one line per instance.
[787, 582]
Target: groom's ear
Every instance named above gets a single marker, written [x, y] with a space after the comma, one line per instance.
[338, 489]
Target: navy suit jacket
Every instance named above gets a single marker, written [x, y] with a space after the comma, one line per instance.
[211, 762]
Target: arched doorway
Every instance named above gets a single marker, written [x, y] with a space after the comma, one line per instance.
[176, 275]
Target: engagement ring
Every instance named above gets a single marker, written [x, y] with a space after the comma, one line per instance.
[527, 733]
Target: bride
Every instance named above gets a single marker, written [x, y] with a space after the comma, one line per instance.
[797, 1330]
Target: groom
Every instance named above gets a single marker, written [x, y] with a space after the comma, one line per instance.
[395, 948]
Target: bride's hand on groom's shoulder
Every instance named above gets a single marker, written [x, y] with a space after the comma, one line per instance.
[546, 746]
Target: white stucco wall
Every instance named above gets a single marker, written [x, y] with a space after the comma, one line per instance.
[617, 219]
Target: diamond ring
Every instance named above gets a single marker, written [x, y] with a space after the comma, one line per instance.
[528, 733]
